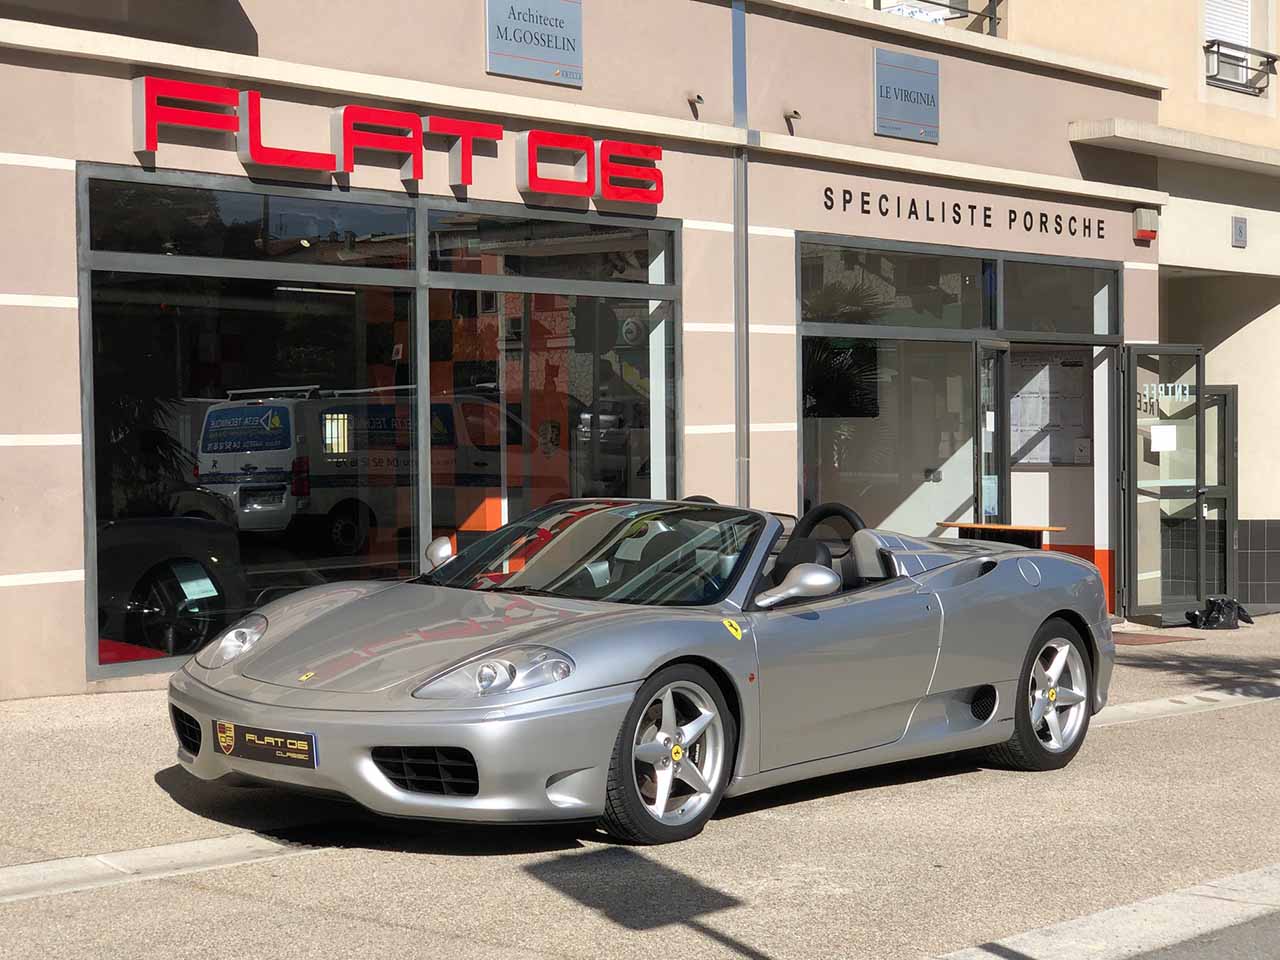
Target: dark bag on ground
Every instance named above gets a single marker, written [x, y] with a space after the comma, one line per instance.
[1219, 613]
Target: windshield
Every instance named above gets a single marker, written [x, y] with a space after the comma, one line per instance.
[670, 554]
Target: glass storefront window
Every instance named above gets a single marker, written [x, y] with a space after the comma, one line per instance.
[252, 437]
[463, 242]
[256, 436]
[847, 285]
[537, 397]
[888, 430]
[161, 219]
[1051, 298]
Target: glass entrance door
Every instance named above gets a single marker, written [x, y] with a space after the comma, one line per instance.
[1218, 509]
[993, 431]
[1166, 482]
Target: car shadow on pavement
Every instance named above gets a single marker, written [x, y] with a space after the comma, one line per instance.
[324, 821]
[1255, 676]
[640, 894]
[870, 778]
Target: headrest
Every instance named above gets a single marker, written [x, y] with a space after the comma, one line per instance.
[659, 547]
[797, 551]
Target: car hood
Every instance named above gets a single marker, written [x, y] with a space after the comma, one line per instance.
[407, 632]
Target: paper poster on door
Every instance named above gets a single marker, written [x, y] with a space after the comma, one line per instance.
[1051, 406]
[1164, 437]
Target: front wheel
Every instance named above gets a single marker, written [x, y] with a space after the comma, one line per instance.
[672, 759]
[1055, 697]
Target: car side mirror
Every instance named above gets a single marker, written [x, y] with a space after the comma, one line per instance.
[808, 580]
[439, 552]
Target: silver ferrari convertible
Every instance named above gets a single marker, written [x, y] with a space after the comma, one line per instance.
[635, 661]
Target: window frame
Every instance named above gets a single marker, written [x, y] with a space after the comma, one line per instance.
[998, 334]
[417, 279]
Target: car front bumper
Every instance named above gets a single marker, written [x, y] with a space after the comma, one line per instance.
[540, 761]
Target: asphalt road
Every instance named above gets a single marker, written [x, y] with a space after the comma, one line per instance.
[907, 861]
[1245, 941]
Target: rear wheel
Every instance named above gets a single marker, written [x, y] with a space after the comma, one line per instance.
[1055, 697]
[350, 525]
[672, 759]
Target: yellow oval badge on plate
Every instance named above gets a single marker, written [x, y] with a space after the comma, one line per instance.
[732, 627]
[306, 676]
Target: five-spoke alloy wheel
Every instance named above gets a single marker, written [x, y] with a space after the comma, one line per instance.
[672, 759]
[1052, 716]
[1057, 695]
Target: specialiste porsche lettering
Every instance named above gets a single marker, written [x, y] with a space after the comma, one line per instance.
[896, 206]
[616, 171]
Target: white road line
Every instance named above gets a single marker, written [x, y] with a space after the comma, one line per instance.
[25, 881]
[1197, 701]
[1138, 928]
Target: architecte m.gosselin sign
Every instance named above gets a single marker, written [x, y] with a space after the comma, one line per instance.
[535, 40]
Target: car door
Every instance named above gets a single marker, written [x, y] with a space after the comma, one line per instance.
[843, 673]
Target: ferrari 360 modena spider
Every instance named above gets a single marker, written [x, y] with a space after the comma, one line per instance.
[635, 661]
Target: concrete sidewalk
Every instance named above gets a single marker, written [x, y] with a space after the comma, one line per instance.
[897, 862]
[1245, 660]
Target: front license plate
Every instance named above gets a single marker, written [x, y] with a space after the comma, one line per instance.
[269, 746]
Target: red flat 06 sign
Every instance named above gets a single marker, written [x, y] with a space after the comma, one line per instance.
[616, 171]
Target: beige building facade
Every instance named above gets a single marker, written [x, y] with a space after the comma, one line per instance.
[286, 295]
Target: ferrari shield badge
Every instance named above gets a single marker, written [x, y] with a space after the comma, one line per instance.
[733, 628]
[226, 735]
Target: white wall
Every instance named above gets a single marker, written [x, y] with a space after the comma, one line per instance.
[1237, 319]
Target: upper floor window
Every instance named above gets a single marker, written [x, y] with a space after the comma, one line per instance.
[1230, 57]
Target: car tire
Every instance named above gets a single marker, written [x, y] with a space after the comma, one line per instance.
[636, 770]
[350, 526]
[160, 616]
[1037, 743]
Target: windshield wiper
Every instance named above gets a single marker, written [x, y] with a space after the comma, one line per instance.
[523, 588]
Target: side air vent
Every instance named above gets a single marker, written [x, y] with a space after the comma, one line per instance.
[187, 729]
[984, 703]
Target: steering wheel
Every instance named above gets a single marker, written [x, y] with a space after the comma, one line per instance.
[825, 511]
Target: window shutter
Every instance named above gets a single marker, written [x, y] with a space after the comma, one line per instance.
[1228, 20]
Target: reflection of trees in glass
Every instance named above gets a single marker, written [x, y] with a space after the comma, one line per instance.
[838, 302]
[138, 458]
[844, 429]
[129, 216]
[840, 378]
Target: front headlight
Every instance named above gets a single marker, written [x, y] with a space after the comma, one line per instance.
[508, 670]
[236, 639]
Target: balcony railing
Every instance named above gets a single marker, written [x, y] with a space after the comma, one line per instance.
[1238, 67]
[940, 11]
